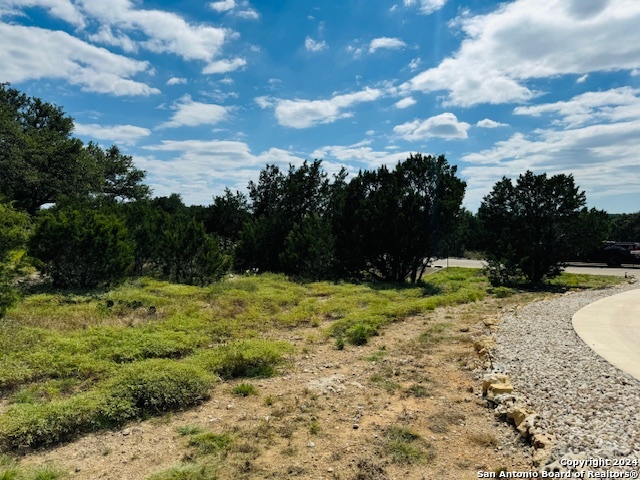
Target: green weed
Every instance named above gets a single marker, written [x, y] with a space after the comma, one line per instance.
[501, 292]
[187, 471]
[244, 390]
[208, 442]
[406, 446]
[419, 391]
[384, 382]
[186, 430]
[314, 428]
[377, 355]
[45, 473]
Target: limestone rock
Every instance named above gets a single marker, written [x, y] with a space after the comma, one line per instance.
[528, 424]
[490, 378]
[498, 389]
[518, 414]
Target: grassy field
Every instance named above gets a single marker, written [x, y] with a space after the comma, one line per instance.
[72, 363]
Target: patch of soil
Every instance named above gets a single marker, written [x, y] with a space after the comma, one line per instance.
[329, 414]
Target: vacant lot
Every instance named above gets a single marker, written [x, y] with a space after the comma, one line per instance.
[254, 377]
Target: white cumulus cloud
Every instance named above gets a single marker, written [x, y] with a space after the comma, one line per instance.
[313, 45]
[176, 81]
[223, 6]
[119, 134]
[360, 152]
[386, 43]
[161, 31]
[36, 53]
[488, 123]
[224, 66]
[239, 9]
[445, 125]
[189, 113]
[307, 113]
[606, 106]
[405, 102]
[519, 42]
[595, 136]
[62, 9]
[426, 6]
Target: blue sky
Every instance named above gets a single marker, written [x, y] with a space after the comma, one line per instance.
[203, 94]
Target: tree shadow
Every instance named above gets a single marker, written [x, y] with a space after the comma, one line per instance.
[45, 287]
[427, 288]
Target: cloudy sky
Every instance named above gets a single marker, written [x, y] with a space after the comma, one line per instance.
[203, 94]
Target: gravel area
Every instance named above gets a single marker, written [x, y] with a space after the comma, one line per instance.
[591, 407]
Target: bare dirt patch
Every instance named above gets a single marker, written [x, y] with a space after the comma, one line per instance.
[403, 406]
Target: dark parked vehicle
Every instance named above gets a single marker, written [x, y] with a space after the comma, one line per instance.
[615, 254]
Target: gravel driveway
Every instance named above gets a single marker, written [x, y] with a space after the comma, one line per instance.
[591, 407]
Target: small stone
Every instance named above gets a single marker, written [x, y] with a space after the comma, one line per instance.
[311, 444]
[356, 426]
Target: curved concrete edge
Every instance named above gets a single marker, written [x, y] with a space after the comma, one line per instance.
[611, 328]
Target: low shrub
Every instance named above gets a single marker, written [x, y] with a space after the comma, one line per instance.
[28, 425]
[152, 387]
[245, 358]
[144, 388]
[360, 333]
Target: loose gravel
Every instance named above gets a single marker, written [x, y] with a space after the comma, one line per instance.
[591, 407]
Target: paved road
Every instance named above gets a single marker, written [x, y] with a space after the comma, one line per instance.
[587, 268]
[611, 328]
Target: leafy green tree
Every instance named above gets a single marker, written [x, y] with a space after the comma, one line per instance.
[42, 163]
[188, 254]
[39, 160]
[530, 226]
[82, 247]
[172, 204]
[172, 244]
[226, 218]
[120, 179]
[13, 235]
[394, 221]
[278, 203]
[589, 230]
[309, 249]
[466, 237]
[146, 224]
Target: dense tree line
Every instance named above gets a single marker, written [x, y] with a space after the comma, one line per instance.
[101, 224]
[625, 227]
